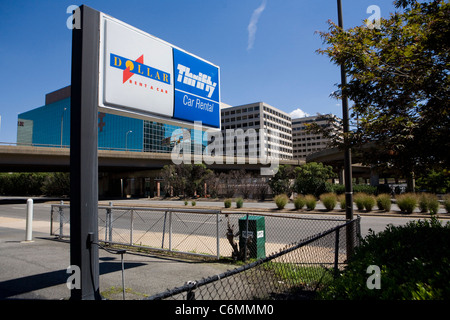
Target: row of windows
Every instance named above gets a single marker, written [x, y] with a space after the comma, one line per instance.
[278, 114]
[307, 139]
[281, 128]
[233, 119]
[242, 110]
[242, 125]
[271, 118]
[297, 145]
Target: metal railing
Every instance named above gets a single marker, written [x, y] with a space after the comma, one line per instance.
[191, 231]
[297, 272]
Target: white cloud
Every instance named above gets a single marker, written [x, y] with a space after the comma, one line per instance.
[252, 24]
[298, 113]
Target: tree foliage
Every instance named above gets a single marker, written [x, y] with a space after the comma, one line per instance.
[413, 259]
[311, 178]
[185, 179]
[399, 85]
[281, 182]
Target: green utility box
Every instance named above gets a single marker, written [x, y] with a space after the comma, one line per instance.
[257, 233]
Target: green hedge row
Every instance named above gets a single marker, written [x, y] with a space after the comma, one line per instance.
[34, 184]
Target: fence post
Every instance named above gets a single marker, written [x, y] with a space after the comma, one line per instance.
[131, 226]
[336, 253]
[170, 230]
[246, 239]
[218, 235]
[164, 230]
[61, 219]
[108, 227]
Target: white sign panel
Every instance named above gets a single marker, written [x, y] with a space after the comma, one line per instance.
[142, 74]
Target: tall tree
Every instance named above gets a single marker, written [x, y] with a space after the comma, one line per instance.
[399, 84]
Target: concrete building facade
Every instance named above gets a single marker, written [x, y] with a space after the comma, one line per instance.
[305, 143]
[252, 118]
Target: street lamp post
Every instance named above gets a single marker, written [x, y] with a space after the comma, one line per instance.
[126, 139]
[347, 150]
[62, 125]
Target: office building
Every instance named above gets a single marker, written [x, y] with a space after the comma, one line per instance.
[304, 142]
[49, 126]
[255, 117]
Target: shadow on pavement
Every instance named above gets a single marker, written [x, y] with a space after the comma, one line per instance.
[14, 287]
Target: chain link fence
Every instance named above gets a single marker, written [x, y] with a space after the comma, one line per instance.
[210, 233]
[296, 272]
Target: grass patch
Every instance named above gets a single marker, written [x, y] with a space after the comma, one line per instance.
[297, 275]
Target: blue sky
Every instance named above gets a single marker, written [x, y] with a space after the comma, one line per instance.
[266, 49]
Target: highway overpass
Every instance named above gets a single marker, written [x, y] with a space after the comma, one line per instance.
[53, 159]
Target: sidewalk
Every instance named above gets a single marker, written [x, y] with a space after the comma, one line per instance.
[37, 269]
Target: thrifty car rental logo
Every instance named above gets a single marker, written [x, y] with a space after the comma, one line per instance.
[138, 67]
[200, 81]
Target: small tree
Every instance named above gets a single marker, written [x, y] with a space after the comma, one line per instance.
[311, 178]
[281, 182]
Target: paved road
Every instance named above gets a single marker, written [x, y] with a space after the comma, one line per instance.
[42, 213]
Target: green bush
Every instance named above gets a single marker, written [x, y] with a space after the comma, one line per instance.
[369, 202]
[299, 202]
[447, 202]
[227, 203]
[413, 258]
[281, 200]
[337, 188]
[358, 199]
[384, 202]
[407, 202]
[239, 202]
[364, 188]
[428, 202]
[310, 201]
[186, 202]
[193, 203]
[329, 200]
[341, 199]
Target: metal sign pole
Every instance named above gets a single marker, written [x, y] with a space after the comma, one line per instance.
[83, 154]
[347, 151]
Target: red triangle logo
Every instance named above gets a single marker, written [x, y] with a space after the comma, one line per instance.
[127, 73]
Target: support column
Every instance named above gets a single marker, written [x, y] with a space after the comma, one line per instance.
[83, 155]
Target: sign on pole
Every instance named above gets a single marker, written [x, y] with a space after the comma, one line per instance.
[141, 75]
[121, 69]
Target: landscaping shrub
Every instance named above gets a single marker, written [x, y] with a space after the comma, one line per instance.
[369, 202]
[407, 202]
[384, 202]
[193, 203]
[186, 202]
[227, 203]
[364, 188]
[447, 203]
[239, 202]
[359, 200]
[281, 200]
[428, 202]
[299, 202]
[310, 202]
[329, 200]
[341, 199]
[413, 258]
[338, 188]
